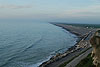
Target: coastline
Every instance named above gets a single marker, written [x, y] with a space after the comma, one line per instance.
[70, 50]
[75, 33]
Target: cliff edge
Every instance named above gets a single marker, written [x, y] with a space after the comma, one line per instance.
[95, 42]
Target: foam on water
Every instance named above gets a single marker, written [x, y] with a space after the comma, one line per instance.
[24, 44]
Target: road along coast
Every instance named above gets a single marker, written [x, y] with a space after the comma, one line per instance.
[83, 44]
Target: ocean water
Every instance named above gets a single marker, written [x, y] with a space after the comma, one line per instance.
[28, 44]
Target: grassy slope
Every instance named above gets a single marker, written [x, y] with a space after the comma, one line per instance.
[65, 63]
[86, 62]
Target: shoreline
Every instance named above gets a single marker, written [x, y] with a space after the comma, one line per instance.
[47, 62]
[77, 34]
[68, 51]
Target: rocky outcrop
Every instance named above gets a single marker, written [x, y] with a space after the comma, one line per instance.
[95, 42]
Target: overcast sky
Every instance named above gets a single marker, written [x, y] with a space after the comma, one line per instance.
[75, 11]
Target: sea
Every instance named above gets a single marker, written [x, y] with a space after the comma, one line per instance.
[29, 44]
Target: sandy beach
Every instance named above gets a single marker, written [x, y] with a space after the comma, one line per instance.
[83, 34]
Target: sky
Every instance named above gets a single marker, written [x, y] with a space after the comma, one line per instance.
[71, 11]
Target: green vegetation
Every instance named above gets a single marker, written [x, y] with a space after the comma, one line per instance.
[65, 63]
[86, 62]
[85, 25]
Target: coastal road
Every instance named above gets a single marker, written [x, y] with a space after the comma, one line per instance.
[67, 58]
[78, 30]
[74, 62]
